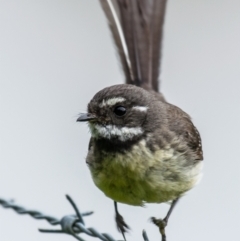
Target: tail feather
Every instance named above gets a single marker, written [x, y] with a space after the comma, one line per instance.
[137, 27]
[110, 9]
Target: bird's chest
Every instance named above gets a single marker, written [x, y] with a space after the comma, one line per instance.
[121, 176]
[139, 176]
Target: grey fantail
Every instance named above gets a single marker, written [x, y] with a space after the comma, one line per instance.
[142, 149]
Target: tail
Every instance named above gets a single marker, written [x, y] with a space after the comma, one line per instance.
[137, 28]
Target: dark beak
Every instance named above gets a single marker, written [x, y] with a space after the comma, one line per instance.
[86, 117]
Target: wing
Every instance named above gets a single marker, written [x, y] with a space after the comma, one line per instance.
[137, 27]
[180, 123]
[193, 139]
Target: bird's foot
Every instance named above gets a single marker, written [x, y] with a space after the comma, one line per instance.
[121, 225]
[161, 224]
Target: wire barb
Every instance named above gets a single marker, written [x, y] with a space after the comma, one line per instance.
[70, 224]
[32, 213]
[144, 234]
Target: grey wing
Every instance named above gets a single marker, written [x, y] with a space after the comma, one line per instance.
[137, 27]
[193, 139]
[181, 124]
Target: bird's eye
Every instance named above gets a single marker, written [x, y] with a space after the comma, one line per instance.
[120, 111]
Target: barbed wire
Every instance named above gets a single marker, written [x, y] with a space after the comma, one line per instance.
[70, 224]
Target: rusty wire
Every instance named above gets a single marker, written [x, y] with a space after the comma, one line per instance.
[70, 224]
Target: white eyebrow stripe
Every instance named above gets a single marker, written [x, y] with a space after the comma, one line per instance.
[121, 133]
[112, 101]
[140, 108]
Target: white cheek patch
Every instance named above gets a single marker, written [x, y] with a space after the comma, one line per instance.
[112, 101]
[111, 131]
[140, 108]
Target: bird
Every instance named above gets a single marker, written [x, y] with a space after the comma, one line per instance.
[142, 149]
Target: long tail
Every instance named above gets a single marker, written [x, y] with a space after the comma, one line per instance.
[137, 29]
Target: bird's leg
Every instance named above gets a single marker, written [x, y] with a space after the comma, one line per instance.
[162, 223]
[121, 225]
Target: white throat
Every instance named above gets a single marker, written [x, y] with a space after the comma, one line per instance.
[112, 131]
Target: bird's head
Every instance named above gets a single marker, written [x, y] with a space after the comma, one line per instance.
[118, 113]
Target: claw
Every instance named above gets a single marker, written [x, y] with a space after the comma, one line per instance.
[161, 224]
[121, 225]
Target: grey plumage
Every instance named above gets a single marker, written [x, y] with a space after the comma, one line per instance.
[137, 27]
[150, 154]
[142, 148]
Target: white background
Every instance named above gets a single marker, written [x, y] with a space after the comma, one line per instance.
[55, 55]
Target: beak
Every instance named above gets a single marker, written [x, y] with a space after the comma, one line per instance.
[86, 117]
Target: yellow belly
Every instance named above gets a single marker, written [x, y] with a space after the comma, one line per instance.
[141, 176]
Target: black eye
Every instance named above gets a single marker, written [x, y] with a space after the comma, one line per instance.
[120, 110]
